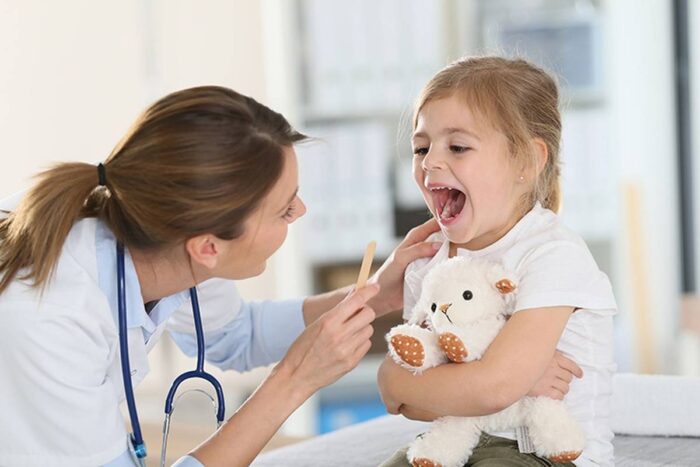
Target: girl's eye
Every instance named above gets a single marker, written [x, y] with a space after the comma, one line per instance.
[420, 151]
[459, 149]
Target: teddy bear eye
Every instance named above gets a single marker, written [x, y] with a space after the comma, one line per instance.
[468, 295]
[433, 307]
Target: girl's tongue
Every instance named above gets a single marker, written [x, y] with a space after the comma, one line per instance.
[449, 203]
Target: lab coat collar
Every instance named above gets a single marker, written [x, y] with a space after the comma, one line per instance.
[136, 315]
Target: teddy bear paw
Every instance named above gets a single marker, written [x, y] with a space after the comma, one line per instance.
[409, 349]
[563, 457]
[453, 347]
[422, 462]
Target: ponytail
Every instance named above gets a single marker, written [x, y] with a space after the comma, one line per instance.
[197, 161]
[32, 236]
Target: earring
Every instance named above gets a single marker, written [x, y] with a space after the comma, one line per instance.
[521, 178]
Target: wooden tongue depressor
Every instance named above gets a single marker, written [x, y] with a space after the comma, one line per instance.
[366, 265]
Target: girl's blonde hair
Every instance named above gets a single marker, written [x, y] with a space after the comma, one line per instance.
[197, 161]
[520, 100]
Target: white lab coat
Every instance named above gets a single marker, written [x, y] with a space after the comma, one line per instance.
[59, 359]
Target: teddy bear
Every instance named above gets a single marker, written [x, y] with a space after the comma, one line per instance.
[463, 304]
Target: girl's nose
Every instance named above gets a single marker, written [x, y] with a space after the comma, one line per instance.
[432, 161]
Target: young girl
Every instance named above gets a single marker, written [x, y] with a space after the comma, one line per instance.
[486, 158]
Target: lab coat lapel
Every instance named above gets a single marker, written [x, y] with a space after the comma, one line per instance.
[138, 355]
[138, 361]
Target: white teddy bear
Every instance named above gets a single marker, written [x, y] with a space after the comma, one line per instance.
[464, 304]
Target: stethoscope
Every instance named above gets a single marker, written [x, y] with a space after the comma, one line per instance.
[137, 447]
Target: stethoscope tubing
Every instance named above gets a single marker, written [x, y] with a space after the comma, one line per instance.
[199, 371]
[136, 438]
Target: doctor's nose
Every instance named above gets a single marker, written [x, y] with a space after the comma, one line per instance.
[302, 208]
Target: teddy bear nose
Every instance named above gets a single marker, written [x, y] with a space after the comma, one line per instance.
[444, 307]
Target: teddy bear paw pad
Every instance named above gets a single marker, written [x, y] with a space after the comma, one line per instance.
[421, 462]
[565, 456]
[453, 347]
[409, 349]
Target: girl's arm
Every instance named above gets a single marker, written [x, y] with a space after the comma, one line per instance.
[553, 384]
[512, 365]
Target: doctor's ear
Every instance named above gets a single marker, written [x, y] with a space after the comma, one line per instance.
[204, 250]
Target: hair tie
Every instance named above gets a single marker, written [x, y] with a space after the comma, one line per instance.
[101, 174]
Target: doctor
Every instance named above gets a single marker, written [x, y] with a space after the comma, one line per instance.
[199, 192]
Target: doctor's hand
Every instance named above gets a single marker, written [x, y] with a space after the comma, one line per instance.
[391, 274]
[555, 381]
[333, 344]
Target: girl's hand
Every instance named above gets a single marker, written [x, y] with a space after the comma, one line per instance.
[555, 382]
[333, 344]
[390, 275]
[417, 414]
[387, 374]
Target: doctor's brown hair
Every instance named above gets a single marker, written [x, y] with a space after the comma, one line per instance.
[197, 161]
[518, 99]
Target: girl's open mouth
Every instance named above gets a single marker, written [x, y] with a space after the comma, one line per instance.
[448, 203]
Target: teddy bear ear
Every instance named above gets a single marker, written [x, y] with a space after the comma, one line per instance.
[502, 280]
[505, 286]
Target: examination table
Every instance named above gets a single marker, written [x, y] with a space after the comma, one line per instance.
[656, 420]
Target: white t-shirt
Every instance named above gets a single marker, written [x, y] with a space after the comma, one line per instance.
[555, 268]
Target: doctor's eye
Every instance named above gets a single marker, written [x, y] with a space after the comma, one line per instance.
[433, 307]
[468, 295]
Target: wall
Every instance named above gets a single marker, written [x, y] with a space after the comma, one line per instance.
[639, 74]
[76, 73]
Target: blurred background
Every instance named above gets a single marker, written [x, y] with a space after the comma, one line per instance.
[74, 74]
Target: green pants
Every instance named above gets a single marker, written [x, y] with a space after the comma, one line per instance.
[491, 451]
